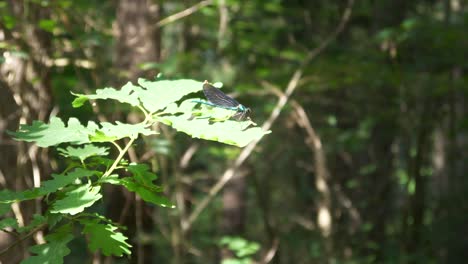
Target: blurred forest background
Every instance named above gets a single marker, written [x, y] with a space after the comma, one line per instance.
[366, 100]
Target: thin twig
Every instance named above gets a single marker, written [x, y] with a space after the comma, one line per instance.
[184, 13]
[22, 239]
[292, 85]
[322, 175]
[187, 156]
[271, 252]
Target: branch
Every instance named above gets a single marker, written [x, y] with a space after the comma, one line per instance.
[22, 239]
[184, 13]
[292, 85]
[271, 252]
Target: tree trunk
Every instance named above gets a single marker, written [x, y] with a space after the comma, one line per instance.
[138, 41]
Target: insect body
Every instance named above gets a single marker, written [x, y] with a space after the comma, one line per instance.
[216, 98]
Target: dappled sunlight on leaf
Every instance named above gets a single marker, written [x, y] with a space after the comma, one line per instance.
[77, 200]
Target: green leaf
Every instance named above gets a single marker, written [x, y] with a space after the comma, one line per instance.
[36, 222]
[54, 250]
[4, 208]
[8, 222]
[53, 219]
[8, 21]
[240, 246]
[111, 132]
[125, 95]
[111, 179]
[154, 95]
[211, 123]
[100, 136]
[142, 174]
[54, 133]
[47, 24]
[58, 181]
[147, 193]
[142, 184]
[77, 200]
[84, 152]
[229, 132]
[104, 237]
[159, 94]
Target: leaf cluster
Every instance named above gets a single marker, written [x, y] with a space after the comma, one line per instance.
[79, 187]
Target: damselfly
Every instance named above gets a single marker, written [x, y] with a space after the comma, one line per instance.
[216, 98]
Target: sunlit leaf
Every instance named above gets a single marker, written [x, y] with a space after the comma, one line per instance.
[84, 152]
[159, 94]
[104, 237]
[120, 130]
[229, 132]
[77, 200]
[54, 133]
[57, 182]
[153, 95]
[125, 95]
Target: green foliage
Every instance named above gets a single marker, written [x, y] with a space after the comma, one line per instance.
[58, 181]
[54, 250]
[84, 152]
[103, 236]
[54, 133]
[142, 184]
[76, 200]
[8, 222]
[242, 249]
[210, 123]
[70, 193]
[158, 99]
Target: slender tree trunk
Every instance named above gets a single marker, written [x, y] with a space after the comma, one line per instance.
[234, 209]
[138, 41]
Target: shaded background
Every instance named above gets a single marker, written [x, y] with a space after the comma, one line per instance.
[366, 101]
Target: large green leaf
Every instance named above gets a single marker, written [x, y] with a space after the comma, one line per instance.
[77, 200]
[57, 182]
[125, 95]
[54, 133]
[54, 250]
[211, 123]
[153, 95]
[159, 94]
[103, 236]
[229, 131]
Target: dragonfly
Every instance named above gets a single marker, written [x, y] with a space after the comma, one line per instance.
[216, 98]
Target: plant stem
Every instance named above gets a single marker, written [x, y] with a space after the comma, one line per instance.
[117, 160]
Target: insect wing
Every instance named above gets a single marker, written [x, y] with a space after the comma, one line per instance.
[240, 115]
[217, 97]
